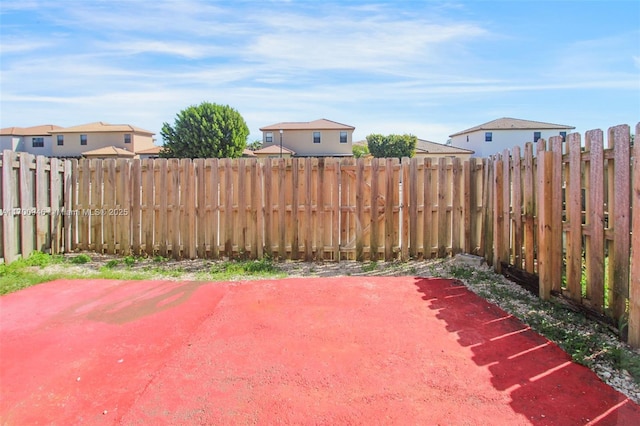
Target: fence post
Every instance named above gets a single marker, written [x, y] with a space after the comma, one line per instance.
[619, 264]
[507, 241]
[499, 219]
[574, 216]
[427, 210]
[486, 242]
[634, 284]
[8, 222]
[557, 210]
[442, 208]
[359, 213]
[545, 217]
[529, 209]
[594, 246]
[516, 207]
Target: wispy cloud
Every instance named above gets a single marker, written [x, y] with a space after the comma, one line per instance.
[420, 67]
[136, 47]
[20, 45]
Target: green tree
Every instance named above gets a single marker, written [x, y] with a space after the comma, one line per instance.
[360, 151]
[395, 146]
[207, 130]
[255, 145]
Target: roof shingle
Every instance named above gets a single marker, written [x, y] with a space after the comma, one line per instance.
[41, 130]
[321, 124]
[100, 126]
[108, 151]
[507, 123]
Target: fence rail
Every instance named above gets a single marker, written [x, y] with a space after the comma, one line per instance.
[564, 212]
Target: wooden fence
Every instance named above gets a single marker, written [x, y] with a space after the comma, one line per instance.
[286, 208]
[36, 197]
[566, 215]
[563, 212]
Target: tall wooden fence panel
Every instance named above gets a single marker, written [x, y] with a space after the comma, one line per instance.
[296, 208]
[575, 233]
[34, 209]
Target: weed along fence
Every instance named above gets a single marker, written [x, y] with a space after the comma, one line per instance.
[561, 210]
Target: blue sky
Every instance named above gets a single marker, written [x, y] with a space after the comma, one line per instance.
[429, 68]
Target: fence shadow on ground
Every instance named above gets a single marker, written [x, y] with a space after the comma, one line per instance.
[543, 383]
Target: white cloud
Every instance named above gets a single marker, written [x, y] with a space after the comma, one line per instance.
[135, 47]
[20, 45]
[427, 68]
[368, 45]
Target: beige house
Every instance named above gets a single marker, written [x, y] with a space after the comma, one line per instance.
[247, 153]
[35, 140]
[149, 153]
[425, 148]
[108, 152]
[76, 140]
[273, 151]
[504, 133]
[319, 138]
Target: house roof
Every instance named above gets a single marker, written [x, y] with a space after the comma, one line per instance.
[321, 124]
[274, 149]
[101, 127]
[154, 150]
[108, 151]
[425, 146]
[41, 130]
[438, 148]
[507, 123]
[248, 153]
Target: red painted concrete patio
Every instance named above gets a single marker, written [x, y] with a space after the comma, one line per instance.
[355, 350]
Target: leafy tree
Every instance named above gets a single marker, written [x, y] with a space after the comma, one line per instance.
[397, 146]
[360, 151]
[207, 130]
[255, 145]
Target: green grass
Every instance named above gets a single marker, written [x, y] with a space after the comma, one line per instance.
[21, 273]
[80, 259]
[24, 273]
[369, 267]
[225, 271]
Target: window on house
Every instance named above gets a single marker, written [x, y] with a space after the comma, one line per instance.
[467, 138]
[268, 138]
[316, 137]
[564, 136]
[127, 138]
[343, 137]
[37, 142]
[60, 140]
[536, 136]
[83, 139]
[488, 136]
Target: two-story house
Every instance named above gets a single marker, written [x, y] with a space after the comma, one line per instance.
[93, 138]
[35, 140]
[505, 133]
[319, 138]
